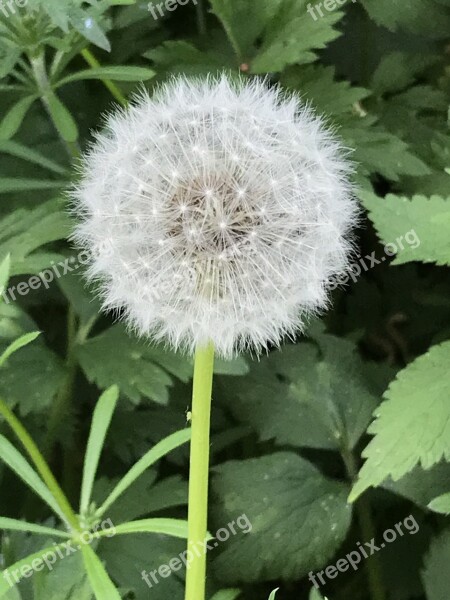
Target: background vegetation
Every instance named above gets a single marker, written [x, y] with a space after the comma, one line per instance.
[290, 431]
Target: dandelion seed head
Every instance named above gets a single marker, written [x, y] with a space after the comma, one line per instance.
[226, 218]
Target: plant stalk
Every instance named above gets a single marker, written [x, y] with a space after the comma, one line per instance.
[368, 531]
[199, 471]
[40, 464]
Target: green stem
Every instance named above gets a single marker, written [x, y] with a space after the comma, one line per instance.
[368, 530]
[40, 463]
[112, 87]
[199, 470]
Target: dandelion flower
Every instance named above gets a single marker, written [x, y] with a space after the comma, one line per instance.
[216, 211]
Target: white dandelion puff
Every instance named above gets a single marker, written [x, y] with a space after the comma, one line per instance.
[227, 209]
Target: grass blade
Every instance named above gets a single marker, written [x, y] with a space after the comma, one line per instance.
[16, 525]
[101, 584]
[24, 340]
[15, 461]
[161, 449]
[100, 423]
[174, 527]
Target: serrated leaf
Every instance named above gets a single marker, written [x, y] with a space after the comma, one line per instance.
[431, 20]
[45, 374]
[179, 56]
[317, 85]
[100, 423]
[320, 395]
[436, 575]
[420, 486]
[282, 493]
[398, 70]
[288, 33]
[101, 584]
[441, 504]
[13, 119]
[292, 37]
[138, 368]
[425, 220]
[412, 425]
[114, 73]
[24, 231]
[24, 340]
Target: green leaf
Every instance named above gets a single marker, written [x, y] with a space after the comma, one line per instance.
[66, 580]
[130, 557]
[273, 594]
[45, 373]
[315, 595]
[181, 57]
[16, 525]
[412, 425]
[10, 185]
[423, 222]
[17, 345]
[138, 368]
[24, 231]
[154, 454]
[441, 504]
[114, 73]
[63, 120]
[288, 33]
[100, 423]
[173, 527]
[14, 117]
[31, 156]
[230, 594]
[292, 37]
[15, 461]
[283, 493]
[321, 395]
[436, 575]
[101, 584]
[435, 22]
[420, 486]
[17, 568]
[398, 70]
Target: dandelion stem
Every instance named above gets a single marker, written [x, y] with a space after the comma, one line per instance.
[199, 470]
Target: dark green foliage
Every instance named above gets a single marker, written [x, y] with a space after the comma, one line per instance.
[359, 405]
